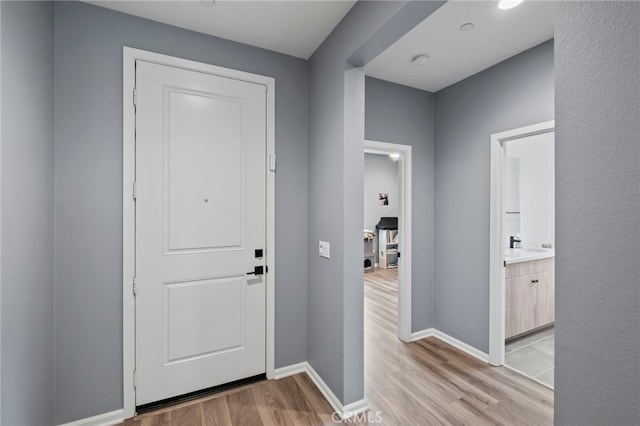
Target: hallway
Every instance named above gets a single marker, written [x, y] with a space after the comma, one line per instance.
[430, 382]
[422, 383]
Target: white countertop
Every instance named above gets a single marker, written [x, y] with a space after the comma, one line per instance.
[527, 254]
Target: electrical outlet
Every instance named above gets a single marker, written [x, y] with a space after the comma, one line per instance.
[324, 249]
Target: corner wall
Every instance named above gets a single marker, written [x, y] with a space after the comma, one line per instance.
[27, 373]
[88, 185]
[514, 93]
[404, 115]
[336, 143]
[597, 208]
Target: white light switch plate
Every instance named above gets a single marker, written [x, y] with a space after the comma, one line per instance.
[324, 249]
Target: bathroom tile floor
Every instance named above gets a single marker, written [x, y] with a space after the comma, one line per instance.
[533, 355]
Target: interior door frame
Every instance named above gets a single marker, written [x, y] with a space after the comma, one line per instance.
[130, 55]
[404, 229]
[496, 241]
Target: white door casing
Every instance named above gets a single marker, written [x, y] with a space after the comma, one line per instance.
[200, 216]
[496, 250]
[203, 206]
[405, 284]
[200, 208]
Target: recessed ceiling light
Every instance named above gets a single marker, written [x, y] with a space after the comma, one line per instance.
[508, 4]
[466, 27]
[420, 59]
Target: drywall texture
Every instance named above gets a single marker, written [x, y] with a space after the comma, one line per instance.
[511, 94]
[27, 213]
[404, 115]
[597, 75]
[336, 134]
[88, 78]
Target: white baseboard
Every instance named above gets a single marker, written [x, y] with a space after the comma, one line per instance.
[422, 334]
[354, 409]
[290, 370]
[468, 349]
[458, 344]
[345, 411]
[106, 419]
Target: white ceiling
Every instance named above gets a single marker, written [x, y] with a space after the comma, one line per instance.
[455, 55]
[295, 28]
[298, 27]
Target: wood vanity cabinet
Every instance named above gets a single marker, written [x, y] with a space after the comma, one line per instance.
[529, 296]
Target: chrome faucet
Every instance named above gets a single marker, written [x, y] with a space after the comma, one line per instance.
[513, 241]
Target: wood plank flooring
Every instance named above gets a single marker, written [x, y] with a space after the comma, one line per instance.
[429, 382]
[422, 383]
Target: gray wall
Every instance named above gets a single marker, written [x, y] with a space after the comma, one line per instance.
[597, 325]
[404, 115]
[27, 373]
[336, 134]
[88, 184]
[597, 222]
[514, 93]
[380, 176]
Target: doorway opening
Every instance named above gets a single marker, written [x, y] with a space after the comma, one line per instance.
[387, 233]
[522, 308]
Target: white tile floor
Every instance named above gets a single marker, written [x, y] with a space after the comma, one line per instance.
[533, 355]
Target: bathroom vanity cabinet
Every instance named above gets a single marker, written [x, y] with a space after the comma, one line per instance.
[529, 296]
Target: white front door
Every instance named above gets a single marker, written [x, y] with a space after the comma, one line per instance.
[200, 217]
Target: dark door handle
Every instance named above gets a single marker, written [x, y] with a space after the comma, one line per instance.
[258, 270]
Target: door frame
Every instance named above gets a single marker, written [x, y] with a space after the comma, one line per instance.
[404, 229]
[130, 55]
[496, 241]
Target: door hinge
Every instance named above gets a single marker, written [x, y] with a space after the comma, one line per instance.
[135, 97]
[135, 379]
[135, 286]
[135, 190]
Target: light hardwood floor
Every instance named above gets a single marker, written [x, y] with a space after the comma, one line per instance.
[423, 383]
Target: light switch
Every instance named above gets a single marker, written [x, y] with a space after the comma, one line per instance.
[324, 248]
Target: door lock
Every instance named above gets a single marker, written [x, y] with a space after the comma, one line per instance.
[257, 270]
